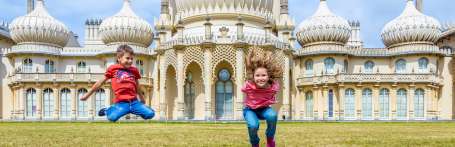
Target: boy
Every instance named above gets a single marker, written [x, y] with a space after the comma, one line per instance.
[124, 80]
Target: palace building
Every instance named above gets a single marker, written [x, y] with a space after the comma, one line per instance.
[192, 63]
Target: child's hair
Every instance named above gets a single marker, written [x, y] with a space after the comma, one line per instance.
[265, 60]
[122, 49]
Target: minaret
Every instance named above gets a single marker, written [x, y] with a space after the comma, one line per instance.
[30, 5]
[419, 5]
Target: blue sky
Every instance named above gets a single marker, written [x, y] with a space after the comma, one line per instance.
[372, 14]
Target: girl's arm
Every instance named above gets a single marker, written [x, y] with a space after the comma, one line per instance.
[94, 88]
[139, 92]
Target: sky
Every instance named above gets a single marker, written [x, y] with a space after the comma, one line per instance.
[372, 14]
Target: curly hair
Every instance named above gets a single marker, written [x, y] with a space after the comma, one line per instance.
[256, 59]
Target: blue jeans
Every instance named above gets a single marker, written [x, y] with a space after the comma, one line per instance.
[120, 109]
[252, 117]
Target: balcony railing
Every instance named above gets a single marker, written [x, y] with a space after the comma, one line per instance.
[369, 78]
[64, 77]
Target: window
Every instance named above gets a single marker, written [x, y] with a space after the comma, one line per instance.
[49, 66]
[400, 66]
[345, 66]
[189, 96]
[423, 64]
[65, 103]
[419, 103]
[330, 100]
[329, 64]
[369, 66]
[224, 91]
[309, 67]
[384, 103]
[367, 102]
[140, 66]
[82, 110]
[81, 67]
[402, 102]
[31, 102]
[48, 103]
[27, 66]
[309, 105]
[100, 100]
[349, 106]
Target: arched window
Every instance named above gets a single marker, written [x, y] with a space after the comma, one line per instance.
[369, 66]
[81, 67]
[31, 102]
[49, 66]
[65, 103]
[419, 103]
[367, 104]
[100, 100]
[309, 67]
[402, 104]
[329, 64]
[48, 103]
[400, 66]
[423, 64]
[345, 66]
[309, 105]
[189, 96]
[140, 66]
[224, 91]
[349, 106]
[27, 65]
[330, 100]
[82, 110]
[384, 102]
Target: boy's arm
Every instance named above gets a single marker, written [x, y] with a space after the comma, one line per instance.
[139, 92]
[94, 88]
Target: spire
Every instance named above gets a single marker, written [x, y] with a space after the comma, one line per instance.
[164, 6]
[284, 7]
[419, 5]
[30, 6]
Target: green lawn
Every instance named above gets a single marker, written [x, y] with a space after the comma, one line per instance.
[226, 134]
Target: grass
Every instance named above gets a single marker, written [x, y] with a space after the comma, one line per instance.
[225, 134]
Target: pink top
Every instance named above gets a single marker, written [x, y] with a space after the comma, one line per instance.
[258, 97]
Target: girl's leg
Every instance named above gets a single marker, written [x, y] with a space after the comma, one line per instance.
[116, 111]
[252, 122]
[142, 110]
[271, 117]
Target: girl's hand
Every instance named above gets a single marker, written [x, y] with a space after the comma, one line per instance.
[85, 97]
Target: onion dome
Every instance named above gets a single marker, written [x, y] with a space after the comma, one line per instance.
[126, 27]
[411, 27]
[38, 27]
[324, 27]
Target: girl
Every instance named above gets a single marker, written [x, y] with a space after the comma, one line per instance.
[260, 90]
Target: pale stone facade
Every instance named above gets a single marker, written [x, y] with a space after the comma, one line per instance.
[195, 69]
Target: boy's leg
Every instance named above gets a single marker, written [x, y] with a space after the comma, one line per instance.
[117, 110]
[252, 122]
[142, 110]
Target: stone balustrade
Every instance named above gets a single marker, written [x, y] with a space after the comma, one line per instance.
[64, 78]
[369, 78]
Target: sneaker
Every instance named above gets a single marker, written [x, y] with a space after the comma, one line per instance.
[102, 112]
[257, 145]
[270, 142]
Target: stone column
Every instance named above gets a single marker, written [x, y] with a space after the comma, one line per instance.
[358, 102]
[393, 102]
[162, 108]
[22, 102]
[316, 103]
[300, 97]
[410, 101]
[73, 102]
[240, 79]
[376, 102]
[341, 102]
[208, 82]
[56, 102]
[324, 102]
[91, 107]
[286, 87]
[428, 102]
[155, 96]
[180, 85]
[39, 102]
[13, 103]
[107, 101]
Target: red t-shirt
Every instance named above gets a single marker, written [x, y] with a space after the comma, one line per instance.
[123, 81]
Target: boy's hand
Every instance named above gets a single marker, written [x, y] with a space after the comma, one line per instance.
[85, 97]
[142, 101]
